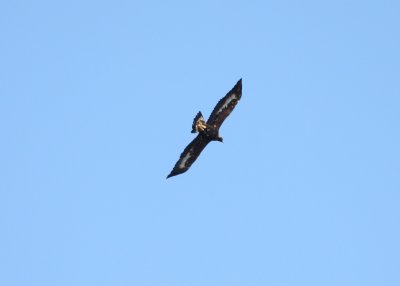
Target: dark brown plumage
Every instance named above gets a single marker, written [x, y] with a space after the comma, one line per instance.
[208, 131]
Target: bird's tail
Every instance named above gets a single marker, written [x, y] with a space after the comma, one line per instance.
[198, 123]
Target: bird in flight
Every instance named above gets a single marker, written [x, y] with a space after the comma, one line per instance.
[208, 131]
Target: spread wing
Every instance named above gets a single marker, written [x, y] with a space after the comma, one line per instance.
[189, 155]
[225, 106]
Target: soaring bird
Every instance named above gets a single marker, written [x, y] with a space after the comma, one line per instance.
[208, 131]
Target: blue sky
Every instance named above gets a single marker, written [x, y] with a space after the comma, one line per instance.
[97, 101]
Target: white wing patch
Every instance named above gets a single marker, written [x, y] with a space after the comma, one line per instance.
[228, 100]
[184, 159]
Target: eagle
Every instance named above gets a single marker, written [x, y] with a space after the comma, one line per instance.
[207, 131]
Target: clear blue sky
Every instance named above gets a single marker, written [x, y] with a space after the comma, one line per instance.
[96, 104]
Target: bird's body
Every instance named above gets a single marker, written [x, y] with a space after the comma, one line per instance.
[208, 131]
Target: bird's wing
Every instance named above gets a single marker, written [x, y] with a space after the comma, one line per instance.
[225, 106]
[189, 155]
